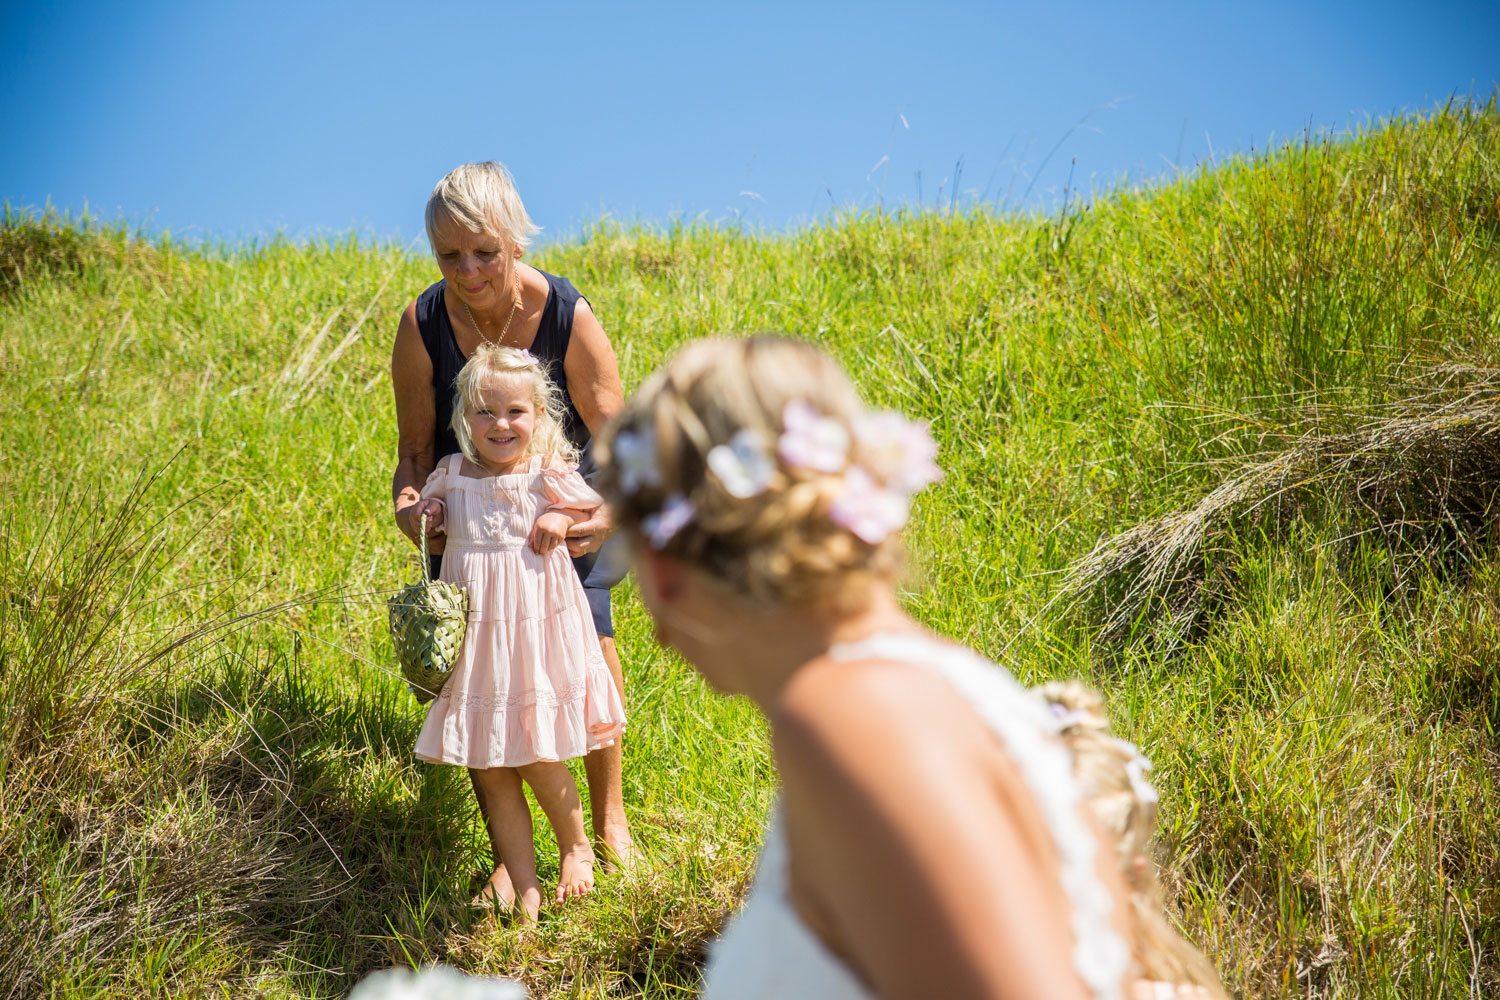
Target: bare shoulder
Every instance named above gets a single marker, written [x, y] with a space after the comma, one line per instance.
[837, 711]
[408, 324]
[592, 371]
[588, 333]
[856, 685]
[915, 851]
[409, 355]
[584, 311]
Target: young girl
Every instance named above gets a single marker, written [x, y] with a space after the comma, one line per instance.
[531, 688]
[1113, 775]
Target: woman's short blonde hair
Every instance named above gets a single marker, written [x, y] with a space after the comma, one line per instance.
[481, 197]
[781, 545]
[491, 363]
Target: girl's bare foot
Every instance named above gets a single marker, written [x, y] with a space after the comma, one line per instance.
[530, 908]
[575, 871]
[618, 852]
[497, 893]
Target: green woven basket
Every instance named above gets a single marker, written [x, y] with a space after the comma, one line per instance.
[427, 629]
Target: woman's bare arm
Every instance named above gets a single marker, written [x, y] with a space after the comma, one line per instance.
[593, 376]
[916, 851]
[416, 421]
[592, 371]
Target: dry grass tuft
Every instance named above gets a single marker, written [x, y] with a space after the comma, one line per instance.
[1423, 475]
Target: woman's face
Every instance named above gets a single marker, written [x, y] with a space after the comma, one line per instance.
[684, 604]
[477, 266]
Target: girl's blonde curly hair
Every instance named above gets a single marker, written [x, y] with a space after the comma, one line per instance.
[779, 546]
[1111, 773]
[491, 363]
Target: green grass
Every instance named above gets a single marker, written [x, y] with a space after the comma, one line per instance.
[205, 759]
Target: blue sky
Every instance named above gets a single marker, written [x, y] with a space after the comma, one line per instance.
[236, 121]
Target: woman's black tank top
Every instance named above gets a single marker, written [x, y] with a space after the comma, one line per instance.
[550, 346]
[601, 569]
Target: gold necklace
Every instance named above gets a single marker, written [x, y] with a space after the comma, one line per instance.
[514, 302]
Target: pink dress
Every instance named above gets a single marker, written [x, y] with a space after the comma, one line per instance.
[531, 682]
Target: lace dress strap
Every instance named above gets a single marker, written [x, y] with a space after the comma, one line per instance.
[1023, 725]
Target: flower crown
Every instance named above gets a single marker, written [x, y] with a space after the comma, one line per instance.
[896, 459]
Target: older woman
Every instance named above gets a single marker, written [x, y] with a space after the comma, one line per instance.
[479, 231]
[930, 840]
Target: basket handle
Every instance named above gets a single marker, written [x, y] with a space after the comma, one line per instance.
[426, 562]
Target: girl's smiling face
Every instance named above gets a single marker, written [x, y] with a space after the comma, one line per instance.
[502, 425]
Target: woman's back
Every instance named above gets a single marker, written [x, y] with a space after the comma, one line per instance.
[769, 949]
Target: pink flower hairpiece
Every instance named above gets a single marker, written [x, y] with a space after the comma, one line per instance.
[868, 509]
[810, 440]
[897, 451]
[894, 459]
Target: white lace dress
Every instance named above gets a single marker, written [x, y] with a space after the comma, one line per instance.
[767, 951]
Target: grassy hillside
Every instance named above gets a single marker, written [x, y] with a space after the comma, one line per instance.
[205, 758]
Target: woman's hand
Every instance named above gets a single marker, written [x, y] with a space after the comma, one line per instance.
[593, 378]
[416, 425]
[549, 531]
[586, 536]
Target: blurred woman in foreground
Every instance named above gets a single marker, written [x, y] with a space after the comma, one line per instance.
[931, 840]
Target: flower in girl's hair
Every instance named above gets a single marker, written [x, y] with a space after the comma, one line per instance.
[897, 451]
[635, 460]
[810, 440]
[676, 511]
[868, 509]
[742, 465]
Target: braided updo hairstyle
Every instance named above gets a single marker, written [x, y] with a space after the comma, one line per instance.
[782, 544]
[1111, 773]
